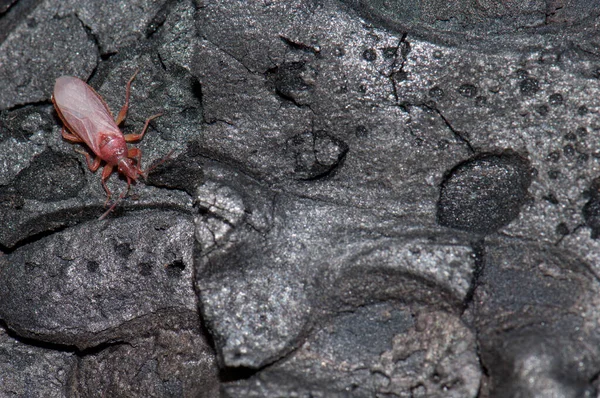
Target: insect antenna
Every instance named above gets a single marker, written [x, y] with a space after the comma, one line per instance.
[112, 207]
[145, 173]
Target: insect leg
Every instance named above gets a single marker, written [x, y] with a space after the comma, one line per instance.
[93, 165]
[70, 137]
[112, 207]
[123, 112]
[135, 153]
[108, 169]
[137, 137]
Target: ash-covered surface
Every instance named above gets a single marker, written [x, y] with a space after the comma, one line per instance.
[345, 199]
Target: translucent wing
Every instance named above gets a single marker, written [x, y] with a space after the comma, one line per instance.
[83, 111]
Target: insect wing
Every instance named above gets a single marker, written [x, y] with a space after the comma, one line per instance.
[82, 109]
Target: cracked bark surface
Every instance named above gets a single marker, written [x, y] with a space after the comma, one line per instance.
[361, 201]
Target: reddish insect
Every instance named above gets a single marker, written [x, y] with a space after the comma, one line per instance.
[88, 120]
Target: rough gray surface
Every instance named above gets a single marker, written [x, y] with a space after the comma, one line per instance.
[39, 50]
[30, 371]
[73, 196]
[95, 282]
[536, 312]
[485, 193]
[171, 362]
[315, 268]
[377, 350]
[364, 198]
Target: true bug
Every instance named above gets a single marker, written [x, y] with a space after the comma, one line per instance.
[87, 118]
